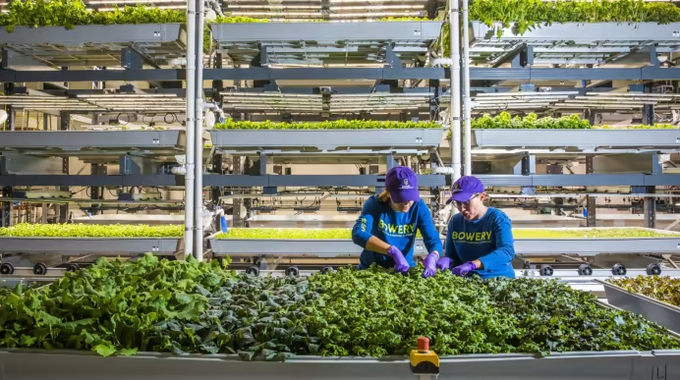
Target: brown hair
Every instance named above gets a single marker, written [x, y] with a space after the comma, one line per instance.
[384, 196]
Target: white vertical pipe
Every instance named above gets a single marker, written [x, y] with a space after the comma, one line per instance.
[467, 111]
[454, 24]
[198, 203]
[189, 186]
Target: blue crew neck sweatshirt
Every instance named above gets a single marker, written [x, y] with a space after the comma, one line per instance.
[394, 228]
[488, 239]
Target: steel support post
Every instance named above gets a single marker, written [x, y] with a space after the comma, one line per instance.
[527, 167]
[64, 121]
[648, 109]
[435, 101]
[7, 208]
[96, 192]
[467, 114]
[217, 87]
[237, 219]
[189, 184]
[650, 203]
[455, 107]
[591, 202]
[650, 208]
[198, 150]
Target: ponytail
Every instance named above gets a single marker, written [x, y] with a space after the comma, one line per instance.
[384, 196]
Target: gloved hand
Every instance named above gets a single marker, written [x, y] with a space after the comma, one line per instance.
[463, 270]
[400, 263]
[444, 263]
[430, 264]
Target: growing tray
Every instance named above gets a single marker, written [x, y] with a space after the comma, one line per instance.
[40, 364]
[657, 311]
[524, 247]
[578, 139]
[78, 246]
[326, 139]
[90, 140]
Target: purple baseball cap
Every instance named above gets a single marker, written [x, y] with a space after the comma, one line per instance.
[402, 184]
[465, 188]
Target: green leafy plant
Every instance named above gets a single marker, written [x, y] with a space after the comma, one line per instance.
[526, 15]
[69, 13]
[110, 308]
[91, 230]
[182, 307]
[531, 121]
[521, 233]
[337, 124]
[663, 288]
[506, 121]
[551, 316]
[376, 313]
[638, 126]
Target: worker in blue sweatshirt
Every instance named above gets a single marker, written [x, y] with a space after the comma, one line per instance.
[386, 228]
[479, 238]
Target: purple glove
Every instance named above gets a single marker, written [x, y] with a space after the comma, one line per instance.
[444, 263]
[430, 264]
[463, 270]
[400, 263]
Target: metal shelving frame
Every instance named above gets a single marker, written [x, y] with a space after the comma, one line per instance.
[393, 45]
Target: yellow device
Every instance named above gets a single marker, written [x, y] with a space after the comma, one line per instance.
[423, 360]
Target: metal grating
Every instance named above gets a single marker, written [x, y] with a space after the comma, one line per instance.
[275, 102]
[110, 103]
[569, 100]
[325, 43]
[329, 9]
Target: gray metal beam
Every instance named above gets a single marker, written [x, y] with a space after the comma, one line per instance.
[312, 180]
[14, 180]
[265, 73]
[528, 74]
[211, 180]
[581, 180]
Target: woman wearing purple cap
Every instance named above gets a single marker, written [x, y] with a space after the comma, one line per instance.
[388, 223]
[479, 238]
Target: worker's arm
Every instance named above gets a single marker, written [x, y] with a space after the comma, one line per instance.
[361, 233]
[505, 246]
[426, 227]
